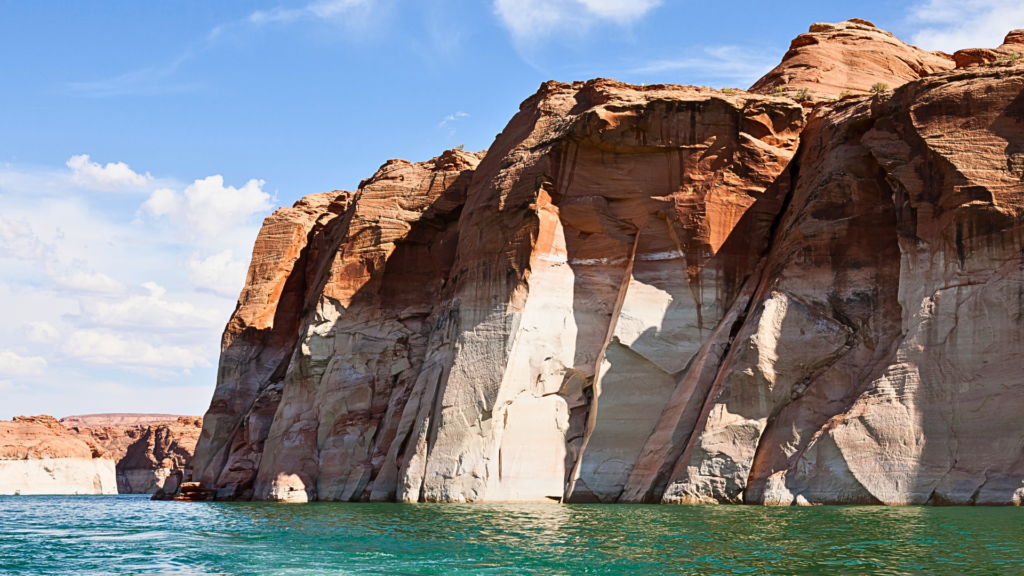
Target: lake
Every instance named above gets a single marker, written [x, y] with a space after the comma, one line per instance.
[132, 535]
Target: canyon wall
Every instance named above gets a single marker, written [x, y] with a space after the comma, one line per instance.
[38, 455]
[150, 451]
[656, 294]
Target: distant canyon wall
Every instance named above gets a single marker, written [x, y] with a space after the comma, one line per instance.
[808, 293]
[38, 455]
[150, 451]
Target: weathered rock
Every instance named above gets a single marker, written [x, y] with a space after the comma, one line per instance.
[259, 339]
[849, 56]
[40, 456]
[656, 294]
[1011, 50]
[148, 457]
[881, 360]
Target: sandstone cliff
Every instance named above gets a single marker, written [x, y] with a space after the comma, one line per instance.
[656, 294]
[40, 456]
[850, 56]
[151, 451]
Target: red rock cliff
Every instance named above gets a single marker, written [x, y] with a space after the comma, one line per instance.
[656, 294]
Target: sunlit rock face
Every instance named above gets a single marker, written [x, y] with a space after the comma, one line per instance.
[38, 455]
[653, 294]
[849, 57]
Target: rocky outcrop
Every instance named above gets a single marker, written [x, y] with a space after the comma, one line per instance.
[40, 456]
[1012, 50]
[149, 458]
[850, 56]
[655, 294]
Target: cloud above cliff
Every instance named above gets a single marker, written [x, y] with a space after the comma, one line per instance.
[207, 208]
[98, 285]
[951, 25]
[532, 19]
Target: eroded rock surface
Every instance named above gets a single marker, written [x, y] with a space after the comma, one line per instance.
[656, 294]
[38, 455]
[150, 453]
[850, 56]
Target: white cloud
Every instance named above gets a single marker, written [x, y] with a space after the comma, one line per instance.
[112, 349]
[218, 274]
[80, 278]
[527, 19]
[19, 242]
[741, 65]
[40, 332]
[110, 178]
[324, 9]
[148, 312]
[11, 364]
[951, 25]
[207, 208]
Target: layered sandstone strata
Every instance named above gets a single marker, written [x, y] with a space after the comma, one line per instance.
[151, 451]
[40, 456]
[850, 56]
[655, 294]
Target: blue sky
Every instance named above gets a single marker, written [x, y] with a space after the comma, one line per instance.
[143, 143]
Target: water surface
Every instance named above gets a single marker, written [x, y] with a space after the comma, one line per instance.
[132, 535]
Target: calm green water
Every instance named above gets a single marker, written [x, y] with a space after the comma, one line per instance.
[131, 535]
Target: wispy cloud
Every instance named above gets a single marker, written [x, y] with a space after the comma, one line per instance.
[951, 25]
[741, 65]
[323, 10]
[449, 122]
[532, 19]
[151, 80]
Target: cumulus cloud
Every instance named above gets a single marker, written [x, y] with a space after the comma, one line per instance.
[527, 19]
[11, 364]
[207, 208]
[219, 274]
[147, 312]
[102, 348]
[950, 25]
[40, 332]
[323, 9]
[113, 177]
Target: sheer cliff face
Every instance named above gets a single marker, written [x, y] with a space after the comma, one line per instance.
[653, 294]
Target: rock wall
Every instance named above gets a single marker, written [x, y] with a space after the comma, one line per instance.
[39, 456]
[656, 294]
[150, 452]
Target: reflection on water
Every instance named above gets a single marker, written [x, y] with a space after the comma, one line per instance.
[131, 535]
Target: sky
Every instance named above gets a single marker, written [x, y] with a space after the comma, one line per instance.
[142, 143]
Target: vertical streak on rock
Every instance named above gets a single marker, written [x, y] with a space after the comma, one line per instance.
[592, 416]
[675, 428]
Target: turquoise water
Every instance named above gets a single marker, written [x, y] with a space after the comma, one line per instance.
[131, 535]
